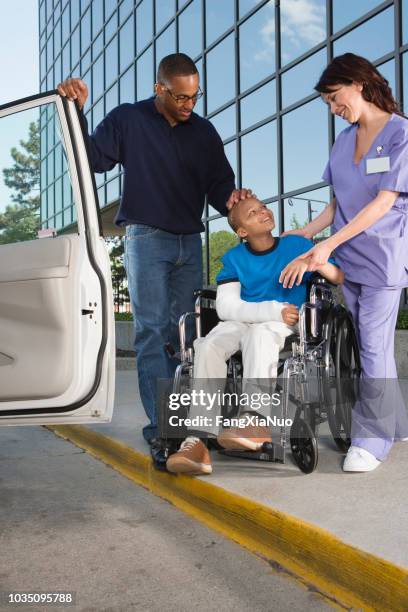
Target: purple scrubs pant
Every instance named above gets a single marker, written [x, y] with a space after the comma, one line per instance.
[379, 415]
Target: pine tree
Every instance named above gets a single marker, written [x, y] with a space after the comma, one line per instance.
[21, 220]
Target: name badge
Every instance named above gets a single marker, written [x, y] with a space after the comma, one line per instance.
[377, 164]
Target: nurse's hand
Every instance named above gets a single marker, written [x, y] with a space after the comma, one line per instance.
[298, 232]
[293, 272]
[317, 256]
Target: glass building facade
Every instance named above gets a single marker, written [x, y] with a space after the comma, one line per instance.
[258, 63]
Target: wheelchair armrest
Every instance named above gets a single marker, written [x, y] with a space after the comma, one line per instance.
[210, 294]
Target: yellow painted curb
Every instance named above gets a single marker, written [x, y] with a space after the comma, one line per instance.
[344, 573]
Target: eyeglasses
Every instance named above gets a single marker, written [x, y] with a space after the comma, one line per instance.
[183, 98]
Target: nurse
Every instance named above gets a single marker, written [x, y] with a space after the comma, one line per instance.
[368, 169]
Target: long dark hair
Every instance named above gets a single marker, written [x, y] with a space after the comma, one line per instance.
[348, 68]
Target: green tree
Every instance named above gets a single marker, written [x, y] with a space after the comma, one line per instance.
[21, 220]
[295, 223]
[220, 242]
[119, 282]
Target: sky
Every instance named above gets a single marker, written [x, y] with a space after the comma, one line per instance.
[18, 68]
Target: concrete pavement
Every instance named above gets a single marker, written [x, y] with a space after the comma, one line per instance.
[366, 512]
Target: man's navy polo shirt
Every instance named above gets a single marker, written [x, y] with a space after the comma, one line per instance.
[168, 170]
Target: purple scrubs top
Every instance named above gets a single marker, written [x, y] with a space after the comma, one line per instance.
[378, 257]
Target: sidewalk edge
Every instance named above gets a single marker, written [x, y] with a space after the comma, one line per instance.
[344, 573]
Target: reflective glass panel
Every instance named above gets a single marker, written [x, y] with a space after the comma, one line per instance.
[220, 83]
[111, 98]
[98, 114]
[97, 46]
[75, 47]
[86, 31]
[57, 38]
[344, 12]
[110, 5]
[65, 24]
[165, 10]
[225, 122]
[86, 61]
[144, 24]
[388, 71]
[258, 105]
[74, 12]
[97, 17]
[112, 191]
[111, 61]
[127, 86]
[111, 27]
[405, 82]
[221, 239]
[257, 47]
[246, 5]
[404, 21]
[66, 61]
[97, 77]
[124, 9]
[145, 75]
[373, 39]
[259, 161]
[303, 25]
[166, 43]
[299, 81]
[231, 154]
[300, 210]
[127, 43]
[305, 145]
[219, 17]
[190, 30]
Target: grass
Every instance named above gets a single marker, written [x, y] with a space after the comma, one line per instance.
[402, 321]
[123, 316]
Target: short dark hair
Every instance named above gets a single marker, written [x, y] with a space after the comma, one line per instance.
[346, 68]
[176, 64]
[233, 217]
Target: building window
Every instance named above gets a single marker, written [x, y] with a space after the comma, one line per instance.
[372, 39]
[298, 82]
[220, 83]
[305, 145]
[257, 47]
[259, 161]
[301, 30]
[219, 17]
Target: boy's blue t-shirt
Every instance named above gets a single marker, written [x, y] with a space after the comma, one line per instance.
[259, 271]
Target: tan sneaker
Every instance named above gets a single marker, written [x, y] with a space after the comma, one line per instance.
[191, 458]
[250, 438]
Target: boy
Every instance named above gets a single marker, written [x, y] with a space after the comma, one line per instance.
[260, 289]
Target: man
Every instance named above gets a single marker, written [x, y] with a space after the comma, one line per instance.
[172, 159]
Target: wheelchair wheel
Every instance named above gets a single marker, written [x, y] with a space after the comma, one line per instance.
[345, 359]
[304, 446]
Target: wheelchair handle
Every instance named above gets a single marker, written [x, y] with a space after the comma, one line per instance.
[211, 294]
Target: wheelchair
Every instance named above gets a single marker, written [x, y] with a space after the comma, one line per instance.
[318, 374]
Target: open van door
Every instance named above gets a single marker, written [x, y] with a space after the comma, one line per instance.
[57, 345]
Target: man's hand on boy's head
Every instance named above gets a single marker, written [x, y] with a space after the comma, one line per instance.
[290, 314]
[237, 195]
[293, 273]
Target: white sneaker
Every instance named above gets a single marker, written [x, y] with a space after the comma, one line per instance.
[359, 460]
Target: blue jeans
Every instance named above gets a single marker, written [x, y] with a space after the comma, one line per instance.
[163, 270]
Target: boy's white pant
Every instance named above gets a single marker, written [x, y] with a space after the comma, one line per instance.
[260, 344]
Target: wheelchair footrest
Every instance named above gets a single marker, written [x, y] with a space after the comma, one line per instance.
[269, 452]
